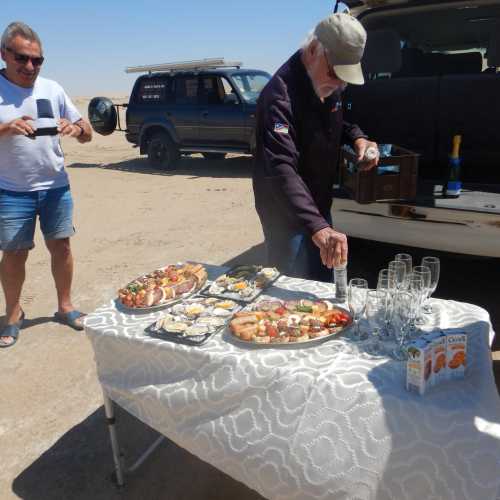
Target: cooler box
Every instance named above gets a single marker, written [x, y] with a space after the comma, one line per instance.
[395, 178]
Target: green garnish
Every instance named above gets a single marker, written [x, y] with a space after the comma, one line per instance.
[304, 309]
[134, 288]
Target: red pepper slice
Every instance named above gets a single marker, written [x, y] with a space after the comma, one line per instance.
[271, 331]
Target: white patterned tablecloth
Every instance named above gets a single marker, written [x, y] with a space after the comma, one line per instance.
[323, 422]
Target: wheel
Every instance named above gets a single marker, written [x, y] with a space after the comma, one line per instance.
[162, 153]
[214, 156]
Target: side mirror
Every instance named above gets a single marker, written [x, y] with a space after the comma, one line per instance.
[102, 115]
[231, 99]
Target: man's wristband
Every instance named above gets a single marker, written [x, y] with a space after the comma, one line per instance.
[81, 130]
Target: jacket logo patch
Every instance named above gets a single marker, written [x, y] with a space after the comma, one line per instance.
[281, 128]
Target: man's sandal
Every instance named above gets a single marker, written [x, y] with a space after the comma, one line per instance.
[13, 331]
[70, 319]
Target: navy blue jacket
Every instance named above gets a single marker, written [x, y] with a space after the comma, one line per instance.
[298, 141]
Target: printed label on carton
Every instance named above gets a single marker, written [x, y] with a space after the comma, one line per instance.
[419, 366]
[437, 340]
[456, 342]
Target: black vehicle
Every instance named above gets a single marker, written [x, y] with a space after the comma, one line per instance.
[203, 107]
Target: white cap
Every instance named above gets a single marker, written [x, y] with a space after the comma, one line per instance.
[344, 40]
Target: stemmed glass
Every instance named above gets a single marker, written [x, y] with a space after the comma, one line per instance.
[406, 258]
[387, 285]
[399, 269]
[433, 264]
[403, 312]
[416, 287]
[375, 314]
[425, 274]
[356, 296]
[386, 280]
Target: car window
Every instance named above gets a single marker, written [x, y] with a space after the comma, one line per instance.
[186, 90]
[250, 85]
[217, 90]
[209, 91]
[154, 91]
[227, 92]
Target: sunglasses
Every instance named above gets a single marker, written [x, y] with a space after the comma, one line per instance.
[24, 59]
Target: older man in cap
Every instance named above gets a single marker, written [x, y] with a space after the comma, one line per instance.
[299, 132]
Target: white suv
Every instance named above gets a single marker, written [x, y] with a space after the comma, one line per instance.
[431, 70]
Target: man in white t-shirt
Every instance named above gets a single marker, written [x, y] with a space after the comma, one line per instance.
[34, 114]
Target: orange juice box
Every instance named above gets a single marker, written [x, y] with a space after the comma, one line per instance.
[437, 339]
[456, 341]
[419, 366]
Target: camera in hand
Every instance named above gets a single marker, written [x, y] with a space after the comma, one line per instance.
[45, 123]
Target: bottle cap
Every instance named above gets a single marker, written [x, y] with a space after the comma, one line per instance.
[370, 154]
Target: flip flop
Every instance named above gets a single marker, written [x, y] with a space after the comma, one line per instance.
[70, 318]
[12, 331]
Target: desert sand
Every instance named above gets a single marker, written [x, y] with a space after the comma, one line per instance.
[131, 219]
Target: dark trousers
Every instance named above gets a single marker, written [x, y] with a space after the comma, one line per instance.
[293, 253]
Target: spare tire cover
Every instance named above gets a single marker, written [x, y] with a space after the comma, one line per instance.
[102, 115]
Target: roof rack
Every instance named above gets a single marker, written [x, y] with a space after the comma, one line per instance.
[185, 66]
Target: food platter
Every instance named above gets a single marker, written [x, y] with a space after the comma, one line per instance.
[242, 283]
[193, 321]
[292, 323]
[162, 287]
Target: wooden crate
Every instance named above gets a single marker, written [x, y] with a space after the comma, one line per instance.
[395, 178]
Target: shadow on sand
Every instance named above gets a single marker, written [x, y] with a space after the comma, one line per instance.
[193, 166]
[79, 464]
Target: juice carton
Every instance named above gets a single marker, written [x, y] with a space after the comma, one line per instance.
[419, 366]
[456, 341]
[437, 339]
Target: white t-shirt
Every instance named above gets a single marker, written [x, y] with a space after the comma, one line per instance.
[33, 164]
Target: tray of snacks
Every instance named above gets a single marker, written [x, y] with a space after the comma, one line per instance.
[274, 323]
[162, 287]
[193, 321]
[242, 283]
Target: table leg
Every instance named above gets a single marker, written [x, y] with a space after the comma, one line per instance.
[110, 420]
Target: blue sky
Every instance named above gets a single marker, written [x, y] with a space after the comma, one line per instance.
[88, 44]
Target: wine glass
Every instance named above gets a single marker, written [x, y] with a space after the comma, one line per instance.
[356, 296]
[416, 287]
[433, 264]
[386, 280]
[425, 274]
[387, 285]
[407, 259]
[399, 269]
[375, 314]
[403, 305]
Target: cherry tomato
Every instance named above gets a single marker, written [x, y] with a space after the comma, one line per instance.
[271, 331]
[280, 311]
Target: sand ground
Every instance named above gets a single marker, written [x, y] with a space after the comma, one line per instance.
[131, 219]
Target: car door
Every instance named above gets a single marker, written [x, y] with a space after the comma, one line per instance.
[222, 118]
[183, 112]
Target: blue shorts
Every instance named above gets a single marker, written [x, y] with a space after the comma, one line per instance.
[19, 211]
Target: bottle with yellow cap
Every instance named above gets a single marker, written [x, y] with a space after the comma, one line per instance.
[454, 184]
